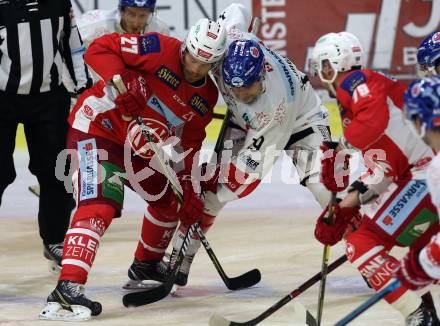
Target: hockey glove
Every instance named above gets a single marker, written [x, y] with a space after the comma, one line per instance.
[335, 168]
[411, 274]
[330, 234]
[191, 208]
[135, 99]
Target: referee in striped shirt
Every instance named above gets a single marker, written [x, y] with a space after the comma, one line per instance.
[38, 38]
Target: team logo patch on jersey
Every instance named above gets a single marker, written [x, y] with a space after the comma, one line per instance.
[88, 111]
[88, 164]
[138, 143]
[168, 77]
[199, 104]
[353, 81]
[436, 37]
[149, 44]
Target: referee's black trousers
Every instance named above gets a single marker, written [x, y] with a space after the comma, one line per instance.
[44, 117]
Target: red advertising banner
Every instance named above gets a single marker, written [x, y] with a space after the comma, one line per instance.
[389, 30]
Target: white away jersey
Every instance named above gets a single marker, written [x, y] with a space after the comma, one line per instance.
[287, 105]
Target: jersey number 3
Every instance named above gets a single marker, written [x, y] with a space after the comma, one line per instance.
[129, 44]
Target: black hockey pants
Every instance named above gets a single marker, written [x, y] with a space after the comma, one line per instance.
[44, 117]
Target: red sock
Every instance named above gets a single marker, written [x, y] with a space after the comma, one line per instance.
[157, 232]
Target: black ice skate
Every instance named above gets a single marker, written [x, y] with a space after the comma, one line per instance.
[425, 314]
[146, 274]
[68, 303]
[54, 253]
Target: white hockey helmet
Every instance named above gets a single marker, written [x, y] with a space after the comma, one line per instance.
[206, 41]
[342, 51]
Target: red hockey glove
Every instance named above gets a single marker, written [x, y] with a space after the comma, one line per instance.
[210, 172]
[135, 100]
[335, 168]
[330, 234]
[191, 208]
[411, 274]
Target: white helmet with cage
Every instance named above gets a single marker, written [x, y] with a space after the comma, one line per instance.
[342, 51]
[206, 41]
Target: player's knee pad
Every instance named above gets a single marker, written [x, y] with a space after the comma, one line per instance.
[162, 214]
[96, 217]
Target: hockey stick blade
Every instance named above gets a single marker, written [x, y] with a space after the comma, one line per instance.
[302, 316]
[307, 319]
[141, 298]
[218, 320]
[243, 281]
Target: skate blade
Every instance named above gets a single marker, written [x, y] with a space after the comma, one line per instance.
[140, 285]
[54, 311]
[174, 289]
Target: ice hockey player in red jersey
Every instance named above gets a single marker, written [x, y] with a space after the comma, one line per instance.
[168, 87]
[393, 194]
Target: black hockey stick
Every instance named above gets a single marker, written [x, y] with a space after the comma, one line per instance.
[140, 298]
[326, 253]
[232, 283]
[152, 295]
[217, 320]
[160, 292]
[247, 279]
[325, 259]
[136, 299]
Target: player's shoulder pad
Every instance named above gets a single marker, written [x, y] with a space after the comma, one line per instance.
[353, 80]
[149, 43]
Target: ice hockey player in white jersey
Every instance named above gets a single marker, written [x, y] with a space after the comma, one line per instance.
[420, 268]
[274, 108]
[131, 16]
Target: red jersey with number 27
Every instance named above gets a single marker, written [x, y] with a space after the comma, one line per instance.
[174, 106]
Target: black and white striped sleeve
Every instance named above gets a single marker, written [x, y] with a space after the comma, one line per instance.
[73, 54]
